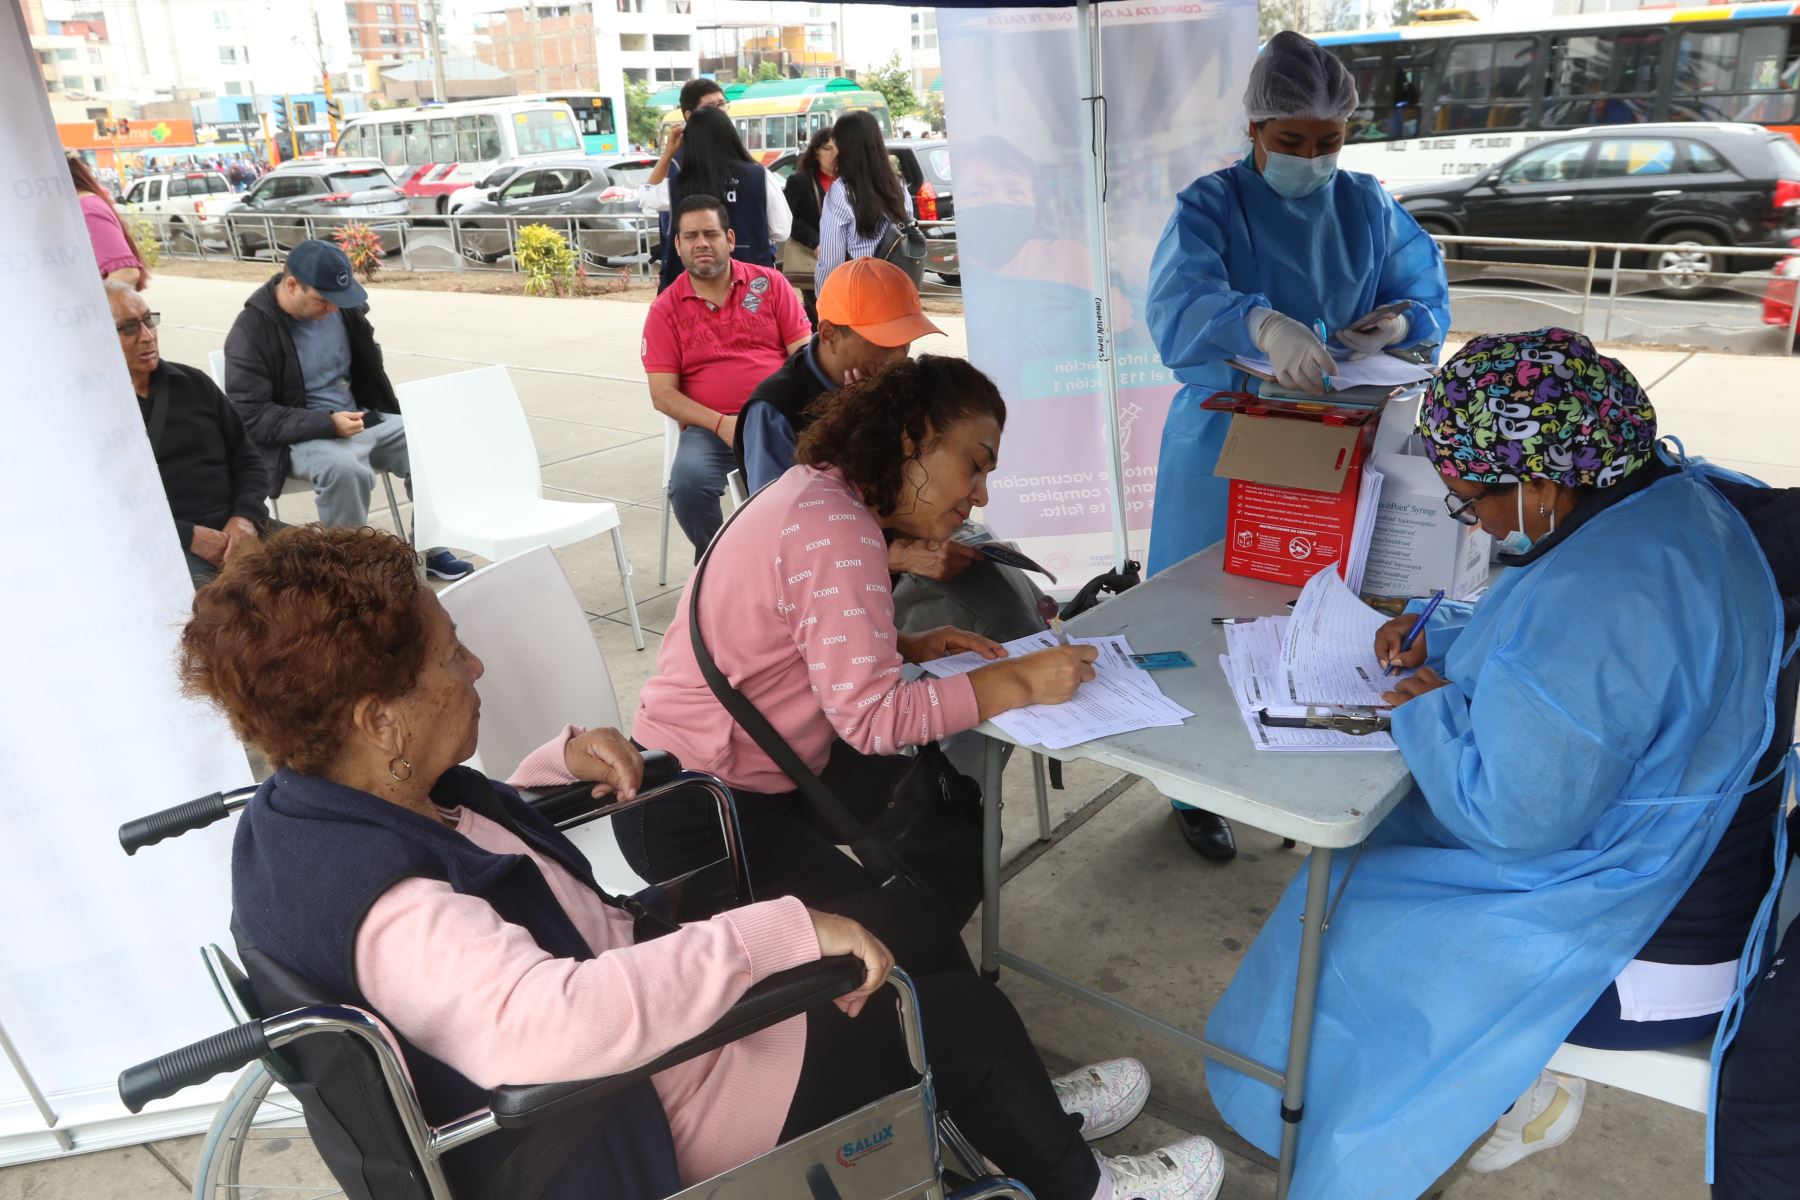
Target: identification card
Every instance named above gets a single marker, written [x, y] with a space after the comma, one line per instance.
[1165, 660]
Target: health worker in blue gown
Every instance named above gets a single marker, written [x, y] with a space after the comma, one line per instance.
[1254, 259]
[1584, 856]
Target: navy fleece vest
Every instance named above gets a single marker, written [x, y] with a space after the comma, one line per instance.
[747, 202]
[311, 857]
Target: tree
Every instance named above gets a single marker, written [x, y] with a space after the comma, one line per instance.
[894, 82]
[767, 70]
[642, 121]
[1273, 16]
[1406, 10]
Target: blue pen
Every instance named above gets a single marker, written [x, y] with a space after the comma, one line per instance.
[1324, 340]
[1412, 635]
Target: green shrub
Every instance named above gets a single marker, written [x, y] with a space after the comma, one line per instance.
[143, 232]
[547, 261]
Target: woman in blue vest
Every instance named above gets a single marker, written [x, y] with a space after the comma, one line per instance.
[1583, 855]
[1255, 259]
[386, 876]
[712, 161]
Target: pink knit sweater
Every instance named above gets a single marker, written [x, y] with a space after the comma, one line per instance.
[798, 616]
[479, 994]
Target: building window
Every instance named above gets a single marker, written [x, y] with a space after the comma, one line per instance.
[408, 13]
[65, 56]
[228, 54]
[388, 38]
[47, 58]
[233, 88]
[670, 43]
[94, 113]
[246, 112]
[634, 42]
[411, 38]
[71, 83]
[93, 54]
[637, 75]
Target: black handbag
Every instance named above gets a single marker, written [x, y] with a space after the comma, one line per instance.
[927, 835]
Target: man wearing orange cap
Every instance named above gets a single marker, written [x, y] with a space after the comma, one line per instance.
[869, 314]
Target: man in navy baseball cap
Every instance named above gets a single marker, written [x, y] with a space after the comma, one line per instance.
[325, 269]
[305, 374]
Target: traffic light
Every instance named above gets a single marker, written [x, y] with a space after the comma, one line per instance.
[124, 127]
[103, 127]
[284, 129]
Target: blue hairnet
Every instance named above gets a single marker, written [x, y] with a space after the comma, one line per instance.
[1296, 77]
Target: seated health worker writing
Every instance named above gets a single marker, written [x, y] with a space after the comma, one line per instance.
[385, 875]
[1254, 257]
[1573, 863]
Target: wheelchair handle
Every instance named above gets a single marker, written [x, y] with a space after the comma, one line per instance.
[139, 832]
[196, 1063]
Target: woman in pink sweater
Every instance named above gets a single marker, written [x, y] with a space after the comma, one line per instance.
[373, 866]
[797, 614]
[114, 248]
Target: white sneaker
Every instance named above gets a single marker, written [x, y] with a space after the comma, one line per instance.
[1190, 1170]
[1543, 1117]
[1107, 1096]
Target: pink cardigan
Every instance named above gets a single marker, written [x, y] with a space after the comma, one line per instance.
[799, 618]
[479, 994]
[105, 231]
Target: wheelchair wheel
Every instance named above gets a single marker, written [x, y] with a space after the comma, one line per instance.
[259, 1149]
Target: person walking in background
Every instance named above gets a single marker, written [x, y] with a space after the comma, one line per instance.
[114, 248]
[714, 162]
[805, 191]
[868, 198]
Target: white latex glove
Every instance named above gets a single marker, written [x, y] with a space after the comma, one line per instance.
[1373, 333]
[1301, 360]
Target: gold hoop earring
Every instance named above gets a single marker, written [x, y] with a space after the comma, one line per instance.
[398, 777]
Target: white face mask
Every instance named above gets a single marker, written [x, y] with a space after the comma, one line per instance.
[1518, 541]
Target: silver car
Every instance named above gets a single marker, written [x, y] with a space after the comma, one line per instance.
[592, 200]
[312, 197]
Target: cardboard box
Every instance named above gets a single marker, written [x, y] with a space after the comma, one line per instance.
[1417, 547]
[1294, 472]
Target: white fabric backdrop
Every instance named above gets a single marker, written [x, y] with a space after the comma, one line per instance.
[1173, 75]
[98, 962]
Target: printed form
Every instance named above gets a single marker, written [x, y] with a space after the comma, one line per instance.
[1328, 650]
[1120, 698]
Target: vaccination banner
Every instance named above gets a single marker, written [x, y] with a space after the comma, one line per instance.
[99, 962]
[1173, 78]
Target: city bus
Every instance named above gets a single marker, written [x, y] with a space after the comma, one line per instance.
[593, 116]
[435, 149]
[779, 115]
[1454, 98]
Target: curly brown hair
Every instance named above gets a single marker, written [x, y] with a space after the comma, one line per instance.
[863, 427]
[298, 628]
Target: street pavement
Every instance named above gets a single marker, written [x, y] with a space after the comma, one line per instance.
[1170, 940]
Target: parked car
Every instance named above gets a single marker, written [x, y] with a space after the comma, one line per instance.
[1695, 188]
[487, 185]
[924, 165]
[184, 205]
[310, 197]
[599, 194]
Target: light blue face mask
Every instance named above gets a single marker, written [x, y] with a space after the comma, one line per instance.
[1518, 541]
[1294, 177]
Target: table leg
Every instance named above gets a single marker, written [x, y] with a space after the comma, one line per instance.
[992, 765]
[1306, 997]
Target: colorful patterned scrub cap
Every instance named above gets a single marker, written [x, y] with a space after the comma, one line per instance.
[1539, 405]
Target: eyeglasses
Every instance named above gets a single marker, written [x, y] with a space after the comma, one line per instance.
[135, 326]
[1463, 511]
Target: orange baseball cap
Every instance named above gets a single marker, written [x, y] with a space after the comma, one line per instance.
[877, 300]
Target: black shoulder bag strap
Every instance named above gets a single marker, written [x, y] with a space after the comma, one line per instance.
[844, 826]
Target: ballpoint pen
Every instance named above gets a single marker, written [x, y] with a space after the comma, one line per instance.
[1046, 608]
[1324, 340]
[1412, 635]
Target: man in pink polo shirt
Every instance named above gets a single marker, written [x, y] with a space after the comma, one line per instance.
[710, 338]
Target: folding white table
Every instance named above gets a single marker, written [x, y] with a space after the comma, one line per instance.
[1328, 801]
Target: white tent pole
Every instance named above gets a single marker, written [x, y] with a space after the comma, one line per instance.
[1094, 190]
[31, 1089]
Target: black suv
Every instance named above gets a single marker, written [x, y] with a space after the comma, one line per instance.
[1691, 187]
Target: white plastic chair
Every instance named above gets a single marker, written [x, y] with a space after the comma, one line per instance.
[476, 482]
[734, 488]
[295, 484]
[544, 670]
[1682, 1075]
[734, 484]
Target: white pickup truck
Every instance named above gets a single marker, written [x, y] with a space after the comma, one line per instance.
[185, 206]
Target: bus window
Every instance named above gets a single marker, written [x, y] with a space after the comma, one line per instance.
[782, 132]
[393, 144]
[1488, 85]
[489, 130]
[1388, 83]
[468, 145]
[544, 131]
[418, 142]
[1602, 79]
[1718, 76]
[443, 140]
[751, 130]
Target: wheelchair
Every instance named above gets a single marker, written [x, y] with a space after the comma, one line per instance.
[316, 1071]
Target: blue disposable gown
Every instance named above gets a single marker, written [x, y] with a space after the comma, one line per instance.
[1235, 244]
[1608, 706]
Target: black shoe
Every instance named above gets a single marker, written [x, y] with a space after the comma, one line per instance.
[1208, 833]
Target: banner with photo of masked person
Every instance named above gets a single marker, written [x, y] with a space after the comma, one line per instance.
[1173, 78]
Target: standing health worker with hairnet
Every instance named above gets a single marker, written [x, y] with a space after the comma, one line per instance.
[1252, 258]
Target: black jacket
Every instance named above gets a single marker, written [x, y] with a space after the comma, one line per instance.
[211, 471]
[805, 197]
[790, 390]
[263, 380]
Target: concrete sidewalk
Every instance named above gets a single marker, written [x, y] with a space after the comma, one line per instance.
[1170, 941]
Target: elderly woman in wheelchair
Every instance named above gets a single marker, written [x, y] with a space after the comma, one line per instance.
[377, 872]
